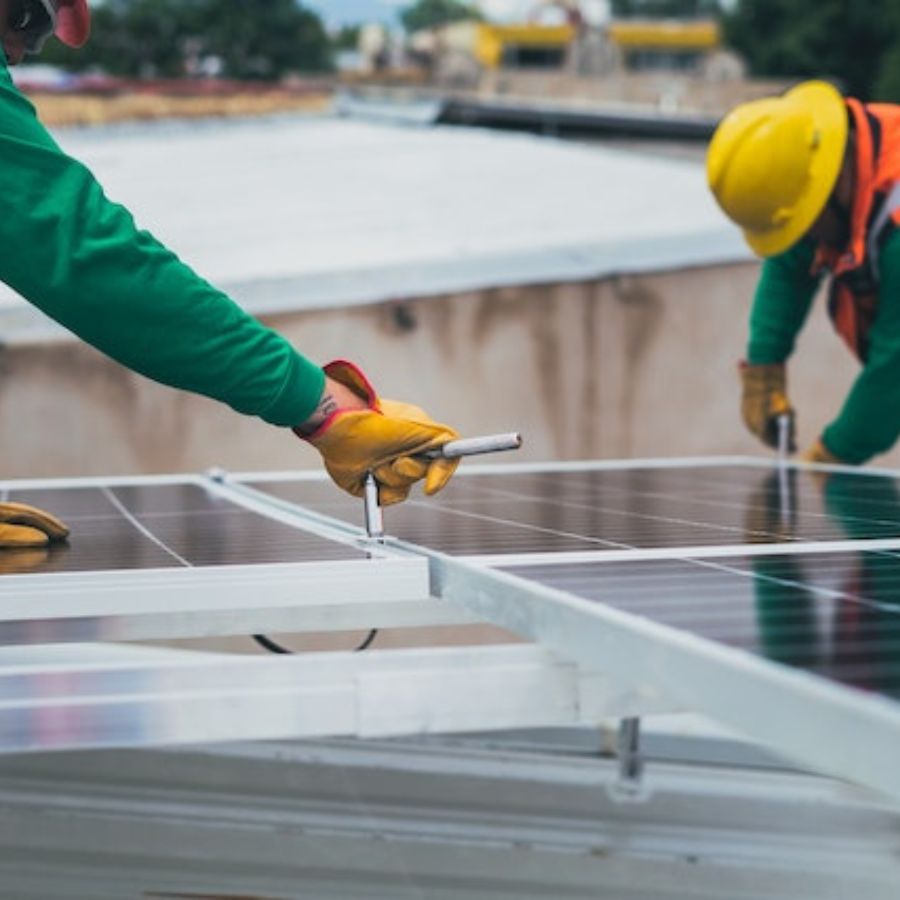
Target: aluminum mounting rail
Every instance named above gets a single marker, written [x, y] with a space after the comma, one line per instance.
[177, 698]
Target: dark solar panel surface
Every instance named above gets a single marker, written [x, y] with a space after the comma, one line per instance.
[161, 526]
[505, 513]
[835, 614]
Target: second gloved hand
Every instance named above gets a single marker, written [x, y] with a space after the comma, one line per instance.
[764, 401]
[23, 526]
[382, 436]
[819, 453]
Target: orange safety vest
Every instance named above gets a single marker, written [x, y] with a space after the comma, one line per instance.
[854, 270]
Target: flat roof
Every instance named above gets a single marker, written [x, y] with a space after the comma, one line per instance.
[300, 213]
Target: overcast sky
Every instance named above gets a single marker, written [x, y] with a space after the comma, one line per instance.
[342, 12]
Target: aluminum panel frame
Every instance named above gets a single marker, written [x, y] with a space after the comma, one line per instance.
[384, 590]
[179, 603]
[213, 697]
[851, 735]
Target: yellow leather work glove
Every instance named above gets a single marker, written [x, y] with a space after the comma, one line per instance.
[819, 453]
[24, 526]
[765, 400]
[384, 438]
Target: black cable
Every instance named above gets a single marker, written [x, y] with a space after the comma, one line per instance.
[368, 641]
[268, 644]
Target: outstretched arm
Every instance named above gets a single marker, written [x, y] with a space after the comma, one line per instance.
[81, 259]
[780, 307]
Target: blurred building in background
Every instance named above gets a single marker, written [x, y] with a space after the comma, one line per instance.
[560, 52]
[612, 51]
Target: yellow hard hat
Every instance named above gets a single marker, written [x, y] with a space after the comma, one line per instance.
[773, 163]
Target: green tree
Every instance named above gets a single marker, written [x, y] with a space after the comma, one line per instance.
[665, 9]
[265, 40]
[131, 38]
[434, 13]
[152, 37]
[887, 85]
[347, 37]
[814, 39]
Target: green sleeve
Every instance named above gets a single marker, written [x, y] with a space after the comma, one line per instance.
[781, 304]
[81, 259]
[869, 421]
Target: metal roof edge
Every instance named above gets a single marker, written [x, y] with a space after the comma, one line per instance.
[564, 263]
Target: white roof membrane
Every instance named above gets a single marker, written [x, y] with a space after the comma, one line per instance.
[302, 213]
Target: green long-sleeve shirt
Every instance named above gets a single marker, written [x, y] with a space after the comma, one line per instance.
[82, 260]
[869, 421]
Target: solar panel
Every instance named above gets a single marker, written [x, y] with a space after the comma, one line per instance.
[766, 596]
[507, 510]
[159, 558]
[837, 615]
[160, 525]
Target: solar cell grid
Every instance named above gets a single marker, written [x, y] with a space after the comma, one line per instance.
[837, 614]
[161, 526]
[510, 512]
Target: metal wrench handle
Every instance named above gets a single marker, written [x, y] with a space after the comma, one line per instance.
[784, 436]
[489, 443]
[374, 515]
[785, 493]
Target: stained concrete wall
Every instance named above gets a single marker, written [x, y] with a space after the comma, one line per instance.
[660, 88]
[625, 367]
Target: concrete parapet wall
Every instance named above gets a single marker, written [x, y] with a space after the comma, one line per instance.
[637, 366]
[671, 90]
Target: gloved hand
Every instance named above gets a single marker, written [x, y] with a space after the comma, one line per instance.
[765, 400]
[384, 437]
[819, 453]
[24, 526]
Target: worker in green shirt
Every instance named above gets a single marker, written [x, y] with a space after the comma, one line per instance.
[82, 260]
[813, 180]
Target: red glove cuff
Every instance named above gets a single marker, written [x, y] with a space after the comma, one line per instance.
[351, 376]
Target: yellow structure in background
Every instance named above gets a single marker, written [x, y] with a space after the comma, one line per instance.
[464, 51]
[494, 43]
[671, 35]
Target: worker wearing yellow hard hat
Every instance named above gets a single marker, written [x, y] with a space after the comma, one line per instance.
[813, 180]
